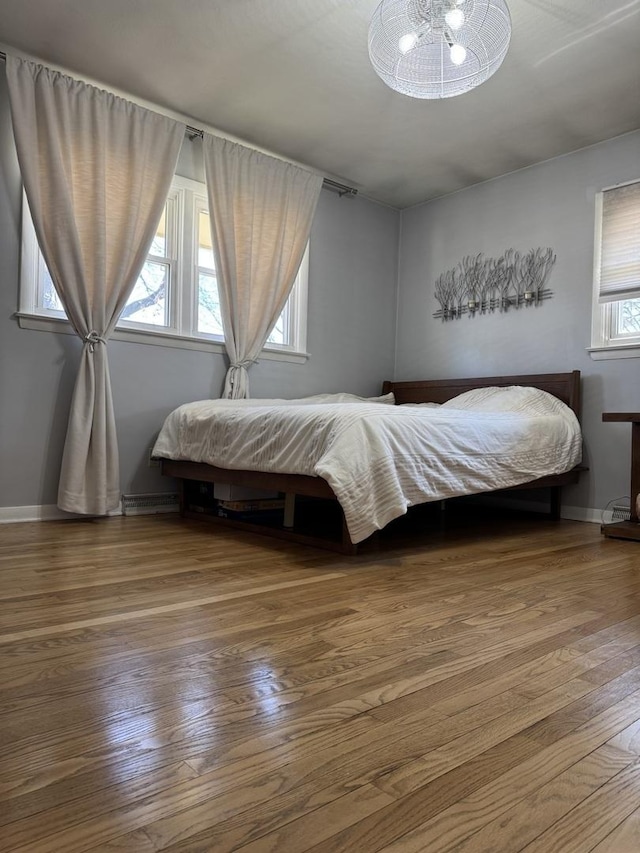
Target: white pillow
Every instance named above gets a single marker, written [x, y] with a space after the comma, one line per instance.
[389, 399]
[511, 398]
[341, 397]
[345, 397]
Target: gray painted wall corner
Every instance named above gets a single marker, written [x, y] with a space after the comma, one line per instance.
[550, 204]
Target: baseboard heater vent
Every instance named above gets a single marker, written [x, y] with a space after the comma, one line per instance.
[620, 513]
[149, 504]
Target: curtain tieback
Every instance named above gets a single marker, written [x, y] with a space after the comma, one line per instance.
[92, 339]
[243, 364]
[246, 362]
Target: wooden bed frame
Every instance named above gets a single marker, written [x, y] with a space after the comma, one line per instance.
[565, 386]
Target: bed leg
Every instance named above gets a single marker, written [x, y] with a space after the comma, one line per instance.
[442, 515]
[555, 502]
[181, 500]
[289, 509]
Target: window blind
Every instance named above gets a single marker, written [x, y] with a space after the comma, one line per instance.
[619, 266]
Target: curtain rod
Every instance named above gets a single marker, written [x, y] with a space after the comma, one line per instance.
[341, 189]
[193, 132]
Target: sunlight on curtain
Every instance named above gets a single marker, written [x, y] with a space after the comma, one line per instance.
[96, 171]
[261, 211]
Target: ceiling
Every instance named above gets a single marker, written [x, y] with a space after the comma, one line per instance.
[294, 77]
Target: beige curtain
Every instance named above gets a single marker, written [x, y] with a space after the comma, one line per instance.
[261, 210]
[96, 171]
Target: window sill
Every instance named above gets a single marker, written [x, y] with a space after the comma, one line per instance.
[614, 351]
[140, 336]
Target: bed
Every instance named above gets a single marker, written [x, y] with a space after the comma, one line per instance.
[405, 440]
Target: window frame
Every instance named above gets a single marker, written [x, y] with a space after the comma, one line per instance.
[188, 197]
[172, 236]
[607, 342]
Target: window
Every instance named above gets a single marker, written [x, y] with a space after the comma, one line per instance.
[616, 291]
[175, 301]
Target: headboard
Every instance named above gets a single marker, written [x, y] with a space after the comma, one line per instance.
[565, 386]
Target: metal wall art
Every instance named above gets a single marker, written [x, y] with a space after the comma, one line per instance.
[478, 285]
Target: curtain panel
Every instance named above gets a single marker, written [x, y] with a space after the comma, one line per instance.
[96, 171]
[261, 210]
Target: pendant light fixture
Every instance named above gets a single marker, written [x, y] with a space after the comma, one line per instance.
[438, 48]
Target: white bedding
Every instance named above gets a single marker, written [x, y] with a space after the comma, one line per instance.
[379, 459]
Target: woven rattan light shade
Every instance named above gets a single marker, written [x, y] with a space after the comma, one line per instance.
[438, 48]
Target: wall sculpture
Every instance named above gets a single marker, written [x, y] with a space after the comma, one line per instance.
[478, 285]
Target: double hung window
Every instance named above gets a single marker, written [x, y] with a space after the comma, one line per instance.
[175, 301]
[616, 292]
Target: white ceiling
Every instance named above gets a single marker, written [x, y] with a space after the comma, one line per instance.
[293, 77]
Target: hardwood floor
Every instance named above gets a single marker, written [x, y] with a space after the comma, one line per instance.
[169, 686]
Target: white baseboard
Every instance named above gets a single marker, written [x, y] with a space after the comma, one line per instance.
[582, 513]
[40, 512]
[571, 513]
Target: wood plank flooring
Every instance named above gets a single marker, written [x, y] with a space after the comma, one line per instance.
[169, 686]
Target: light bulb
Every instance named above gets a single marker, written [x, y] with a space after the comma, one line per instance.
[458, 54]
[407, 42]
[454, 18]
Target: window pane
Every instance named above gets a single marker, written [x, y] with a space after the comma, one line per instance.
[205, 248]
[147, 302]
[629, 317]
[159, 243]
[49, 299]
[209, 317]
[279, 333]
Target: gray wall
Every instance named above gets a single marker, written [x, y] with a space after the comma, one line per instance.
[550, 204]
[352, 301]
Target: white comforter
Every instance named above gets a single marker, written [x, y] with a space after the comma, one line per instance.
[379, 459]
